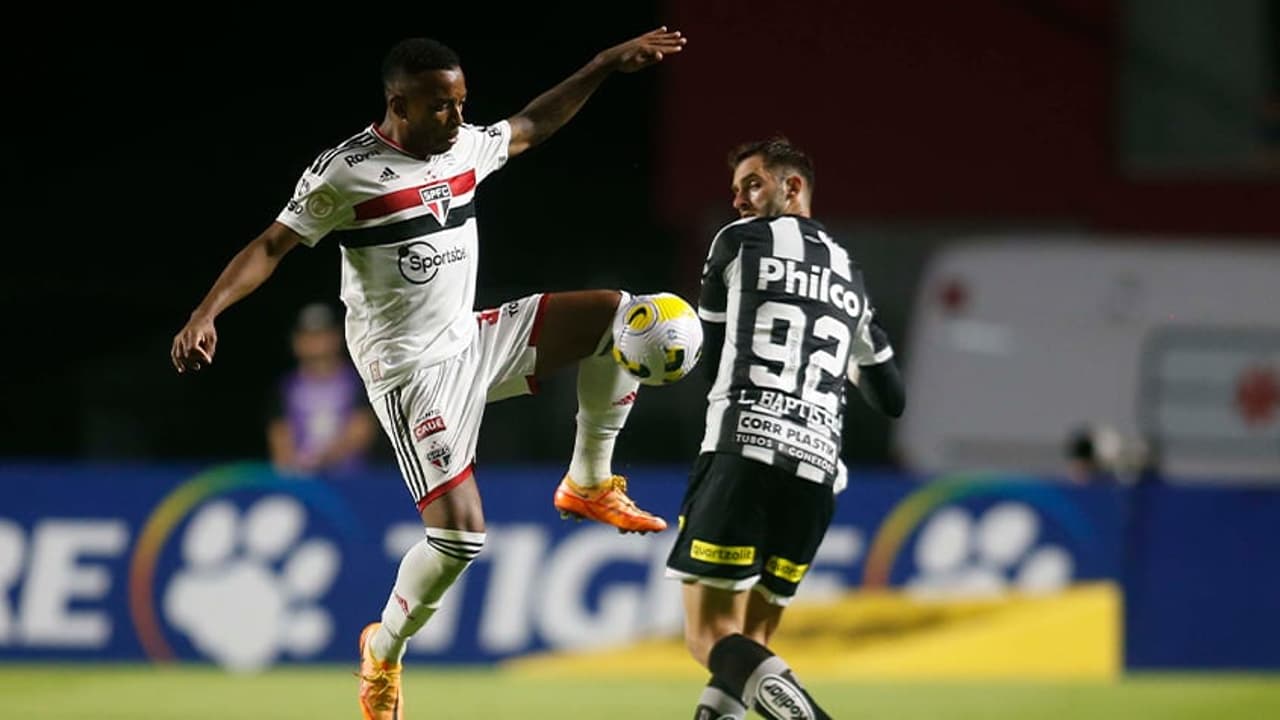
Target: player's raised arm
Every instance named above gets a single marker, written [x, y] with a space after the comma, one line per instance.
[549, 111]
[195, 343]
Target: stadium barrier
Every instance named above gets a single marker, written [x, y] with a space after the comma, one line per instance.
[236, 565]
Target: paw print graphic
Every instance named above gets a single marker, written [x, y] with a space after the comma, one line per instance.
[957, 554]
[249, 586]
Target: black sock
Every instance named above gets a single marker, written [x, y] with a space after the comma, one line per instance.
[764, 682]
[719, 702]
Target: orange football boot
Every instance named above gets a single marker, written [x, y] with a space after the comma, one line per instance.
[607, 503]
[380, 697]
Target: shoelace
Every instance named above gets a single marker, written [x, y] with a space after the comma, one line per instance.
[619, 483]
[384, 695]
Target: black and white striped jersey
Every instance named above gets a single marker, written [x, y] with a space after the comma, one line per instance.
[797, 324]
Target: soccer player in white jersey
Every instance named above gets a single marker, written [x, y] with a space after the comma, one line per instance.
[787, 324]
[398, 197]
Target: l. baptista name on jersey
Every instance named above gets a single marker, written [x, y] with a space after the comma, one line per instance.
[787, 406]
[811, 281]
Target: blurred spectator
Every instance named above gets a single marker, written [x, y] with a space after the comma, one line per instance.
[321, 422]
[1100, 455]
[1085, 463]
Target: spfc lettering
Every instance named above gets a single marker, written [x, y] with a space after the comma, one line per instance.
[437, 199]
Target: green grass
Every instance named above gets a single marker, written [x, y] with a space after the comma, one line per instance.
[197, 693]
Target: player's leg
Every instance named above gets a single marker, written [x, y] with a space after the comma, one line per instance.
[572, 329]
[573, 326]
[745, 524]
[762, 618]
[727, 632]
[710, 614]
[743, 668]
[800, 512]
[716, 555]
[455, 534]
[429, 568]
[578, 328]
[432, 421]
[745, 673]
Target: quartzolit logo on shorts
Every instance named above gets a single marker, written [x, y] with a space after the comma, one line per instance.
[420, 261]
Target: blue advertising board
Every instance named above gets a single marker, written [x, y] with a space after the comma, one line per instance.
[237, 565]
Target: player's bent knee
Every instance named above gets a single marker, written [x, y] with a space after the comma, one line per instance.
[610, 299]
[576, 325]
[596, 302]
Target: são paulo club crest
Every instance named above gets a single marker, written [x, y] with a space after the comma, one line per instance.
[437, 199]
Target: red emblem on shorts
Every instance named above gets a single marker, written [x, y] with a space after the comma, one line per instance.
[439, 456]
[430, 426]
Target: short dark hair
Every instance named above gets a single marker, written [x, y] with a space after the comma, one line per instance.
[778, 152]
[414, 55]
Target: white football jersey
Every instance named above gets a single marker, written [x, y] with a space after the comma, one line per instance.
[407, 230]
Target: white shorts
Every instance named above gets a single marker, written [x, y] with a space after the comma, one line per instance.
[433, 419]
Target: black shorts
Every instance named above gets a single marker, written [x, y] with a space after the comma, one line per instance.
[744, 523]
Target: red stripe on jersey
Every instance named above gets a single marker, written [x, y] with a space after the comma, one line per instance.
[394, 202]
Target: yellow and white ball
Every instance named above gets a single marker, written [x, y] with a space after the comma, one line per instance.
[657, 338]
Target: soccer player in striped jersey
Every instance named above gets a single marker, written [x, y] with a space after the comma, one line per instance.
[788, 323]
[398, 197]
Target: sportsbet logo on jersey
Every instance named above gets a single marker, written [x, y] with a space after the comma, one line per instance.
[420, 261]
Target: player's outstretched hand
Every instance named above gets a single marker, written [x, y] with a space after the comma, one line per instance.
[645, 50]
[194, 345]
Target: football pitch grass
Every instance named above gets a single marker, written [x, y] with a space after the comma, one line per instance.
[66, 692]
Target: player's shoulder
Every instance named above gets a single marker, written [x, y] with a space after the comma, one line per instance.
[736, 232]
[840, 251]
[493, 130]
[811, 225]
[473, 138]
[340, 160]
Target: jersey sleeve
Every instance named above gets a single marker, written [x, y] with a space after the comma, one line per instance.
[870, 343]
[316, 208]
[713, 300]
[489, 145]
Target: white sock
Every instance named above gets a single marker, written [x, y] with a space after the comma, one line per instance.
[606, 393]
[427, 570]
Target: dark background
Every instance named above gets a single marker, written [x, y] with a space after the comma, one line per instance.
[152, 157]
[146, 150]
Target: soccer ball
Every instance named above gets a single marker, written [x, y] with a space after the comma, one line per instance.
[657, 338]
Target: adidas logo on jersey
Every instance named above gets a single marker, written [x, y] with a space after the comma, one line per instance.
[388, 175]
